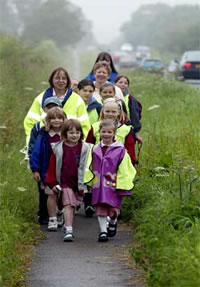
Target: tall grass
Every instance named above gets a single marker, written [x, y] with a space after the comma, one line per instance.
[165, 207]
[22, 74]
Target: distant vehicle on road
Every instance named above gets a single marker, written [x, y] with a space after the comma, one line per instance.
[189, 66]
[153, 65]
[127, 47]
[127, 60]
[142, 52]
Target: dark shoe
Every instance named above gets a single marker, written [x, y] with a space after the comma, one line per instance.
[43, 220]
[112, 229]
[89, 211]
[103, 237]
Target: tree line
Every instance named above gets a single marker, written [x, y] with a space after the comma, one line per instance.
[172, 29]
[36, 21]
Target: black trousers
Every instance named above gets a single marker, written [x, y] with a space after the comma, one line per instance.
[43, 211]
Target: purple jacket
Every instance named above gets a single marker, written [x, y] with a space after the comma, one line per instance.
[105, 169]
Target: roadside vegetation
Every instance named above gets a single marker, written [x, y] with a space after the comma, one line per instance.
[165, 207]
[23, 74]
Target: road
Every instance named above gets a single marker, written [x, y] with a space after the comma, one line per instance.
[194, 83]
[84, 262]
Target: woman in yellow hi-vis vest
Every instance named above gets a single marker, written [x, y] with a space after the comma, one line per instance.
[72, 103]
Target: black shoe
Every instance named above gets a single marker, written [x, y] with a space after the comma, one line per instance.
[112, 229]
[103, 237]
[89, 211]
[43, 220]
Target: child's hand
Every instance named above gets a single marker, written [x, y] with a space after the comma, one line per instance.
[56, 189]
[139, 139]
[36, 176]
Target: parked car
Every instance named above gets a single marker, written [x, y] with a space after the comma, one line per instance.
[153, 65]
[142, 52]
[127, 60]
[189, 66]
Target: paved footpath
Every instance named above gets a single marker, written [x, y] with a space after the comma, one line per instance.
[84, 262]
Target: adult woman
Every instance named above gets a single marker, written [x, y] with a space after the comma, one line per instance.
[72, 103]
[102, 72]
[104, 56]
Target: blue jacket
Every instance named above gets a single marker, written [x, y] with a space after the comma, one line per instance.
[39, 160]
[111, 78]
[34, 134]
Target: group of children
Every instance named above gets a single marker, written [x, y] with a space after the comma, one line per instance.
[97, 167]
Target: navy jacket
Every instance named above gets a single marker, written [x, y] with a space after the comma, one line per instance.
[34, 134]
[39, 160]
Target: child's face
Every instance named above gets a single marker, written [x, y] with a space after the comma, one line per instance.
[111, 111]
[101, 75]
[60, 80]
[56, 122]
[107, 134]
[122, 84]
[73, 136]
[107, 92]
[86, 93]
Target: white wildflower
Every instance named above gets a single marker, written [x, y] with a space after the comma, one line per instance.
[44, 83]
[159, 168]
[153, 107]
[28, 88]
[162, 175]
[20, 188]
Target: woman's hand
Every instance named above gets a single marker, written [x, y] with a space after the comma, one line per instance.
[36, 176]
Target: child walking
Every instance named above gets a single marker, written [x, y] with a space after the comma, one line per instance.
[112, 110]
[42, 211]
[110, 173]
[71, 152]
[133, 107]
[42, 150]
[85, 90]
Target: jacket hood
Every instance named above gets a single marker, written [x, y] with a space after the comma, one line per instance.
[93, 104]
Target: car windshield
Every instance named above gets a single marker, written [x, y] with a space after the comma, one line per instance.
[195, 56]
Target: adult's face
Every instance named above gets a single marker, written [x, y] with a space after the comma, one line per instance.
[60, 81]
[101, 75]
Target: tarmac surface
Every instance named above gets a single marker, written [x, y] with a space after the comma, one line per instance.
[84, 262]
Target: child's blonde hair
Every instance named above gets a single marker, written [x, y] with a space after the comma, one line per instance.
[52, 114]
[106, 85]
[121, 117]
[69, 125]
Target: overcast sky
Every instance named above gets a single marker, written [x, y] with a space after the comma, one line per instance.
[108, 15]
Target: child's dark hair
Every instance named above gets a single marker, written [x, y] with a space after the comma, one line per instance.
[52, 114]
[102, 64]
[105, 85]
[119, 77]
[104, 56]
[58, 70]
[85, 82]
[69, 125]
[106, 123]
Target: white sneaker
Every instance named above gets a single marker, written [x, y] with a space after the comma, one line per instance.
[53, 224]
[68, 236]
